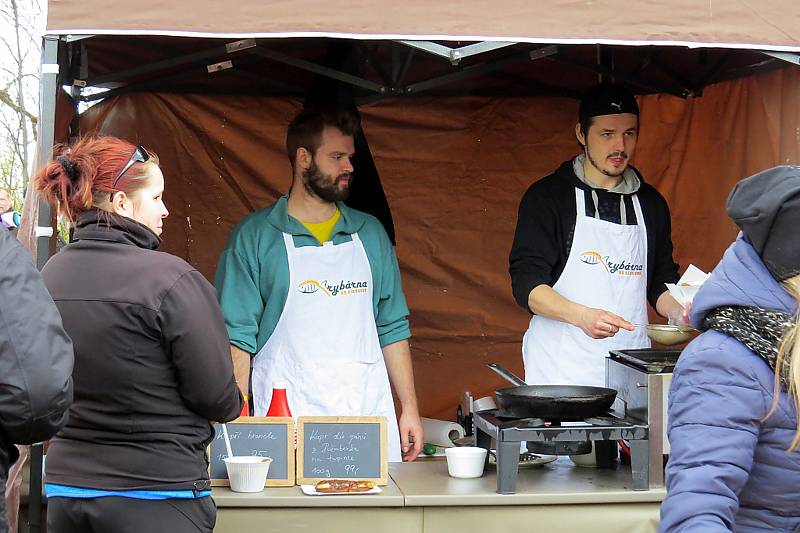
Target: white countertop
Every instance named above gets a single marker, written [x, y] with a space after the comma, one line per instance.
[426, 483]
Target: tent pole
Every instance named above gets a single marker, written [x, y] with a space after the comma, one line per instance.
[319, 70]
[47, 117]
[197, 58]
[785, 56]
[482, 68]
[455, 55]
[600, 69]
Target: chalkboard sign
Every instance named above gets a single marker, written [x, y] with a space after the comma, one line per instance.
[341, 447]
[260, 436]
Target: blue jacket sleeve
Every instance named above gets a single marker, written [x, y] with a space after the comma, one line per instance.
[715, 412]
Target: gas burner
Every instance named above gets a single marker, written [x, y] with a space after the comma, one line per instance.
[649, 360]
[606, 421]
[562, 438]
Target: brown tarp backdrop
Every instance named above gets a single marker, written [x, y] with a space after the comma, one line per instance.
[454, 170]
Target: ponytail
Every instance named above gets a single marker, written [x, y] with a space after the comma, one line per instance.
[81, 177]
[67, 182]
[789, 354]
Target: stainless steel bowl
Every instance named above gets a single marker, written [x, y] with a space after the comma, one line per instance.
[668, 335]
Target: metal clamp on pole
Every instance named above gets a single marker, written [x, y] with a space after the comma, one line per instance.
[44, 231]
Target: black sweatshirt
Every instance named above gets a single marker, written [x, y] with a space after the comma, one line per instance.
[546, 225]
[152, 361]
[35, 357]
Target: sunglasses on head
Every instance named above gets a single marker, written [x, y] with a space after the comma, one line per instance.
[140, 155]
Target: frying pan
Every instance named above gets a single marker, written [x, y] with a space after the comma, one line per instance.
[551, 402]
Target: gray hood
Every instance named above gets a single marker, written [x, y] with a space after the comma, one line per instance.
[630, 180]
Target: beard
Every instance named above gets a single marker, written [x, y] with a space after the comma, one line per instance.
[325, 186]
[612, 174]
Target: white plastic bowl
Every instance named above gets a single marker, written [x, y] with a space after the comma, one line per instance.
[465, 461]
[246, 473]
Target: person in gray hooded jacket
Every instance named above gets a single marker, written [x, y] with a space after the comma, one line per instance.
[733, 428]
[35, 359]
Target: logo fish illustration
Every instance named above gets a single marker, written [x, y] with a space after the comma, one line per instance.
[591, 258]
[310, 286]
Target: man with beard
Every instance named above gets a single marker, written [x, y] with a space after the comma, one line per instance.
[592, 246]
[311, 294]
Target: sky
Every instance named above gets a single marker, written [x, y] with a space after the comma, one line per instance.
[33, 18]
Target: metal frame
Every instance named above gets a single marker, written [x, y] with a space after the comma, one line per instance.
[195, 59]
[785, 56]
[482, 68]
[392, 77]
[319, 69]
[611, 73]
[455, 55]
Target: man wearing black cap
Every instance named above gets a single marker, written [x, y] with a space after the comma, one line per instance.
[592, 246]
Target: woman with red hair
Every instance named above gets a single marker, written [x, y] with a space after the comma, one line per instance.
[152, 364]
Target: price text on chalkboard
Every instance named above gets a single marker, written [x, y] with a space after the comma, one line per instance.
[341, 447]
[258, 436]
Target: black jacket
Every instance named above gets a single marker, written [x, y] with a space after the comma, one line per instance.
[546, 226]
[152, 361]
[35, 356]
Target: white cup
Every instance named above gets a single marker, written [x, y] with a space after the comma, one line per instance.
[465, 461]
[483, 404]
[247, 473]
[585, 459]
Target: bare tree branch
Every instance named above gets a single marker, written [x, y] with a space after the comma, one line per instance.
[5, 98]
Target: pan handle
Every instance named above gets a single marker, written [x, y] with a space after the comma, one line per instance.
[507, 374]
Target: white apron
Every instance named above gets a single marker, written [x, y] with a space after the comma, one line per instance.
[325, 345]
[606, 269]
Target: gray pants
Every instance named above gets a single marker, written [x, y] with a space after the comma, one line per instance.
[3, 520]
[112, 514]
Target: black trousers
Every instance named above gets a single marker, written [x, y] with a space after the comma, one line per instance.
[113, 514]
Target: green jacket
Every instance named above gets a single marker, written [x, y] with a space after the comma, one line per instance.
[252, 276]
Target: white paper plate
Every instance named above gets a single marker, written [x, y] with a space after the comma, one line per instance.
[311, 490]
[527, 459]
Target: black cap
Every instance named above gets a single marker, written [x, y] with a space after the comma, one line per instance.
[766, 207]
[607, 99]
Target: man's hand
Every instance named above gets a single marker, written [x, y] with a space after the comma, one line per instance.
[601, 324]
[669, 307]
[411, 436]
[681, 317]
[596, 323]
[241, 369]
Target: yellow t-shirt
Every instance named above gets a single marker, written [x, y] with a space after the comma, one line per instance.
[323, 230]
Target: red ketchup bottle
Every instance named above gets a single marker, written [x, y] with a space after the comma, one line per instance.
[279, 405]
[245, 407]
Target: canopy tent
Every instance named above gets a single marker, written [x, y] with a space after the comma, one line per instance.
[771, 25]
[464, 105]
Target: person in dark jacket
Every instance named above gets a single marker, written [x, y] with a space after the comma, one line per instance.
[152, 364]
[733, 428]
[35, 359]
[592, 247]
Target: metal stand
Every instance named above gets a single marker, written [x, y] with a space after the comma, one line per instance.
[604, 431]
[35, 493]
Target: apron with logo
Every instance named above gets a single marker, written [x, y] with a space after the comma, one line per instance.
[606, 269]
[325, 344]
